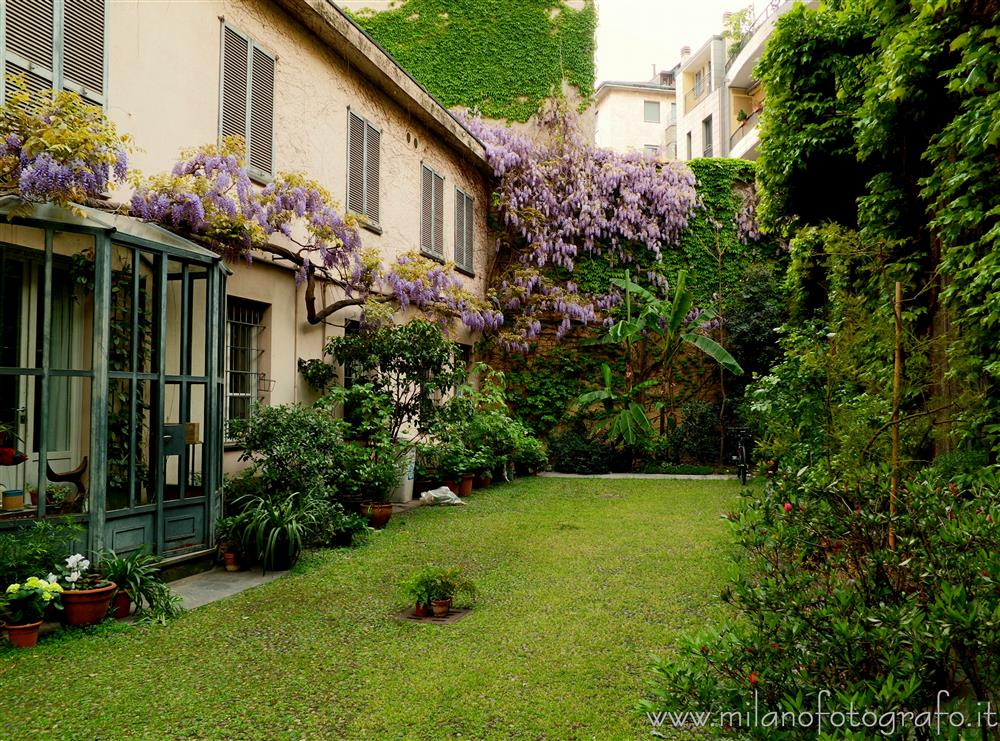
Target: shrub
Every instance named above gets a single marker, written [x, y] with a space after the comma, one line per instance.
[292, 447]
[277, 525]
[576, 451]
[826, 604]
[35, 548]
[698, 433]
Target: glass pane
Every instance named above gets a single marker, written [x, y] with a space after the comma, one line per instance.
[67, 473]
[120, 458]
[15, 428]
[196, 439]
[132, 302]
[175, 317]
[72, 301]
[198, 277]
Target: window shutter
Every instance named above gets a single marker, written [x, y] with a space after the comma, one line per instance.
[470, 221]
[459, 228]
[372, 140]
[438, 215]
[427, 210]
[29, 43]
[261, 139]
[356, 163]
[235, 60]
[83, 48]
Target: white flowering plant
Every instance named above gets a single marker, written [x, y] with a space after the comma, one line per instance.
[24, 602]
[74, 574]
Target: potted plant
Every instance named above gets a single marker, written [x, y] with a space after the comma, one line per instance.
[137, 578]
[420, 589]
[446, 584]
[86, 596]
[228, 539]
[277, 524]
[22, 606]
[434, 588]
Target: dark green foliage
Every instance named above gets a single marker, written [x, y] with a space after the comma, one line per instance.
[699, 433]
[497, 56]
[544, 384]
[35, 548]
[907, 624]
[575, 450]
[292, 448]
[410, 365]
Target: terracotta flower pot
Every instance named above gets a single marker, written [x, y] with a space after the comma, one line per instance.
[465, 489]
[451, 485]
[23, 636]
[231, 561]
[121, 606]
[441, 607]
[87, 606]
[482, 482]
[421, 610]
[378, 513]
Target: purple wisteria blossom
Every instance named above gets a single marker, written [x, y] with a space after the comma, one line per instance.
[561, 198]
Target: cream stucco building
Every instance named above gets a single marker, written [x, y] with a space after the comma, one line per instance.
[310, 92]
[638, 116]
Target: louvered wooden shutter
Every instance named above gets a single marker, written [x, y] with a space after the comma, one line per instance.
[459, 228]
[261, 134]
[356, 163]
[235, 66]
[427, 210]
[372, 140]
[438, 215]
[29, 44]
[469, 222]
[83, 48]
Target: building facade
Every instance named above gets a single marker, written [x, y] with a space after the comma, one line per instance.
[638, 116]
[721, 100]
[135, 446]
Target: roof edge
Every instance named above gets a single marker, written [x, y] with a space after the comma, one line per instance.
[361, 52]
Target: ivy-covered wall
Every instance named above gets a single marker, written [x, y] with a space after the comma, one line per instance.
[502, 57]
[741, 279]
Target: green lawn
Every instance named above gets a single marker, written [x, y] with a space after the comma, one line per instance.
[580, 581]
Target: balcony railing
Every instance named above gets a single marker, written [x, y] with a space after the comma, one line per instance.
[737, 46]
[744, 128]
[695, 95]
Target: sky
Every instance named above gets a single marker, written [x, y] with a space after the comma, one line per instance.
[633, 35]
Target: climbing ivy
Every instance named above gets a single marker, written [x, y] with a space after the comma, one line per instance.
[499, 57]
[723, 185]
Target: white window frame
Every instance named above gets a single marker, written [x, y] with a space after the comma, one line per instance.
[256, 350]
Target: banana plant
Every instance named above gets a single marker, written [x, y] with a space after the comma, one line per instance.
[656, 330]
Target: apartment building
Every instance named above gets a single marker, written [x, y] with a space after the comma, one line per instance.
[139, 441]
[638, 116]
[720, 99]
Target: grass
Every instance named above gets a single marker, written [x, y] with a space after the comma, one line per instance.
[580, 581]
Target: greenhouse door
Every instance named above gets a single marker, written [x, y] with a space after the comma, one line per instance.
[160, 478]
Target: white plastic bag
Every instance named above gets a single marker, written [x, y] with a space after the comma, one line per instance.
[441, 496]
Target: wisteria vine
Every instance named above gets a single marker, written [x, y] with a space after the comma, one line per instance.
[560, 197]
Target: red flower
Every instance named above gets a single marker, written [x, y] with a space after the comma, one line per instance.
[788, 506]
[754, 678]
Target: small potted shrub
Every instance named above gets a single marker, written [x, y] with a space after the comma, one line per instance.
[435, 587]
[137, 578]
[86, 596]
[448, 583]
[420, 589]
[22, 606]
[228, 535]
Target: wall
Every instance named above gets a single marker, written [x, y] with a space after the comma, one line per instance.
[169, 101]
[620, 122]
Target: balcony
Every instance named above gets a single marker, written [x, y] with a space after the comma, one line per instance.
[744, 128]
[694, 96]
